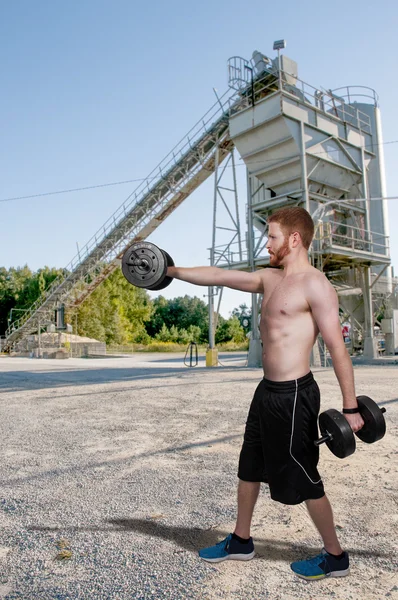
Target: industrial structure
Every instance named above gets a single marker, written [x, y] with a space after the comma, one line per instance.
[302, 146]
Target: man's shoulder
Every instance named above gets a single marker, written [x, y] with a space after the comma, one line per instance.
[316, 276]
[317, 284]
[269, 271]
[269, 274]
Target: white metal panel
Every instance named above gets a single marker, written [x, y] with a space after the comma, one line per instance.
[328, 125]
[252, 117]
[297, 111]
[329, 149]
[267, 109]
[270, 133]
[354, 136]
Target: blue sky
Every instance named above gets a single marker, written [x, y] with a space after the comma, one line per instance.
[98, 91]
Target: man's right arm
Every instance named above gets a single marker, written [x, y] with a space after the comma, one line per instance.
[209, 276]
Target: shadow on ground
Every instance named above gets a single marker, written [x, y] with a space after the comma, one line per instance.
[13, 381]
[192, 539]
[78, 469]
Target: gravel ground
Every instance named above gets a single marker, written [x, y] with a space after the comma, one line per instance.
[116, 471]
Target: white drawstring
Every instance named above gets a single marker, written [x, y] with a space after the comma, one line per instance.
[291, 439]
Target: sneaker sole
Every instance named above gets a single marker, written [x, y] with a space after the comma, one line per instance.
[316, 577]
[230, 557]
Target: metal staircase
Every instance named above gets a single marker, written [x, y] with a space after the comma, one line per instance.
[186, 166]
[175, 178]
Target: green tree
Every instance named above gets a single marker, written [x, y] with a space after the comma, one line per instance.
[174, 334]
[179, 336]
[242, 311]
[163, 335]
[36, 285]
[115, 312]
[230, 330]
[20, 288]
[182, 312]
[194, 333]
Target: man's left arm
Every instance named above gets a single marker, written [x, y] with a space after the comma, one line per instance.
[324, 305]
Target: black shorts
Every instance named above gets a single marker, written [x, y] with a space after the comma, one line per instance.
[278, 446]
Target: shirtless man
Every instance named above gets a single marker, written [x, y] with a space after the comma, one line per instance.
[278, 449]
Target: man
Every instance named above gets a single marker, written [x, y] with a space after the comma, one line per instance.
[278, 447]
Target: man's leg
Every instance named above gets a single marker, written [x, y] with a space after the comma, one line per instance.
[241, 547]
[332, 561]
[322, 516]
[247, 497]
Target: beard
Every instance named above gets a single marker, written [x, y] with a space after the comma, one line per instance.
[277, 257]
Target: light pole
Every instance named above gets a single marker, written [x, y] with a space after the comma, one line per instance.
[279, 45]
[252, 82]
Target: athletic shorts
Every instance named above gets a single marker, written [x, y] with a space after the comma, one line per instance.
[278, 446]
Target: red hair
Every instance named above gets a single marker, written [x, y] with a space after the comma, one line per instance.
[293, 219]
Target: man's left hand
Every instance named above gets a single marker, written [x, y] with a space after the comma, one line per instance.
[356, 422]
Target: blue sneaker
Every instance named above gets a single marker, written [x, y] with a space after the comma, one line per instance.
[323, 565]
[228, 549]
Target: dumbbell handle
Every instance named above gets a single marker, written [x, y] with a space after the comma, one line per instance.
[325, 438]
[138, 262]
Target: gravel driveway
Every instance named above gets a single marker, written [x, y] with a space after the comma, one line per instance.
[115, 471]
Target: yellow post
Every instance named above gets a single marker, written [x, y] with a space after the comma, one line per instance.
[212, 357]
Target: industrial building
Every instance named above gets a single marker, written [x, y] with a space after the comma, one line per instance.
[302, 146]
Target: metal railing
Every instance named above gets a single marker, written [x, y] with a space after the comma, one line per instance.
[335, 234]
[253, 88]
[331, 104]
[357, 91]
[240, 73]
[328, 234]
[231, 253]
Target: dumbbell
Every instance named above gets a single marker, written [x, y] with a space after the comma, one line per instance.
[145, 265]
[336, 431]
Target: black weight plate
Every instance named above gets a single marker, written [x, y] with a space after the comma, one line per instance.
[375, 425]
[167, 280]
[144, 276]
[170, 261]
[342, 443]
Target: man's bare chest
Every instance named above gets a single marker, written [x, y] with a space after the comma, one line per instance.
[286, 299]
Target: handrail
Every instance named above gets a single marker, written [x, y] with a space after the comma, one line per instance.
[352, 237]
[326, 101]
[362, 231]
[372, 242]
[350, 94]
[159, 172]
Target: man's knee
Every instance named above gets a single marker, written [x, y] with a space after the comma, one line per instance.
[248, 488]
[316, 501]
[243, 482]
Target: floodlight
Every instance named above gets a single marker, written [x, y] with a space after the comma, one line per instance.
[279, 44]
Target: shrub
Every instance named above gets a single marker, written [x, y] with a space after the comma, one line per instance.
[163, 347]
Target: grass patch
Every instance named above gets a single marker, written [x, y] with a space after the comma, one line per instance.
[173, 347]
